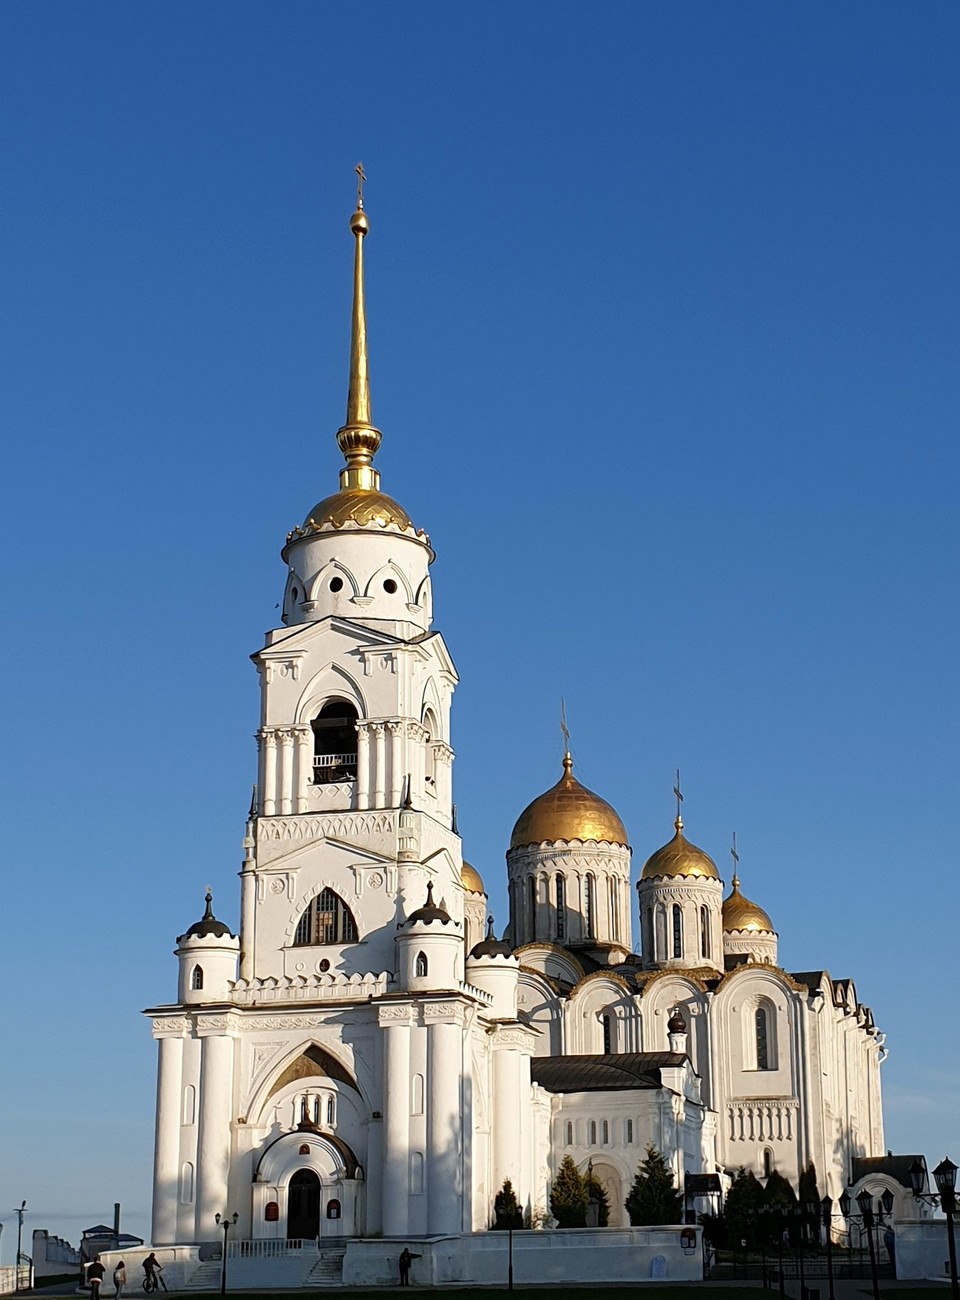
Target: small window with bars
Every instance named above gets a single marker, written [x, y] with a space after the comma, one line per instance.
[326, 920]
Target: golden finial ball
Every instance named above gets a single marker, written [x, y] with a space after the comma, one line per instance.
[359, 223]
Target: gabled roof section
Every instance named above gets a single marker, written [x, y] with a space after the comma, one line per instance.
[896, 1167]
[620, 1073]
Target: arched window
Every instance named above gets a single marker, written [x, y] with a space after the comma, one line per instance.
[335, 743]
[628, 1132]
[196, 979]
[589, 906]
[593, 1132]
[767, 1162]
[416, 1173]
[569, 1134]
[660, 926]
[604, 1132]
[677, 913]
[612, 900]
[186, 1184]
[533, 907]
[763, 1038]
[704, 931]
[317, 1115]
[429, 752]
[421, 965]
[416, 1095]
[561, 908]
[326, 920]
[606, 1021]
[331, 1112]
[189, 1104]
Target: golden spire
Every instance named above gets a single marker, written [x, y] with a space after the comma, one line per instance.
[358, 439]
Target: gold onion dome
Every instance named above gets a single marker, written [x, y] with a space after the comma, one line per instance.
[568, 811]
[740, 913]
[680, 858]
[471, 879]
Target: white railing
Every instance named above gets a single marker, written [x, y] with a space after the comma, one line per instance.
[329, 768]
[272, 1248]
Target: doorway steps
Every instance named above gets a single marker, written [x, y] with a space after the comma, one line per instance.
[328, 1270]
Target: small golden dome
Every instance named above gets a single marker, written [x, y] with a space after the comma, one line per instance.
[680, 858]
[470, 879]
[364, 507]
[740, 913]
[568, 811]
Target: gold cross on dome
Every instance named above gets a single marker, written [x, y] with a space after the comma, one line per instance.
[563, 726]
[361, 177]
[677, 794]
[733, 851]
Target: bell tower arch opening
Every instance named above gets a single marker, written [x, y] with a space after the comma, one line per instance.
[335, 743]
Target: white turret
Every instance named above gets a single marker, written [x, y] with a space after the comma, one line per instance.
[493, 968]
[430, 946]
[208, 955]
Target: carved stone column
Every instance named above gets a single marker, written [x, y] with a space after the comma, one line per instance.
[444, 1188]
[304, 775]
[213, 1157]
[396, 1022]
[396, 774]
[363, 767]
[379, 764]
[286, 772]
[268, 771]
[166, 1158]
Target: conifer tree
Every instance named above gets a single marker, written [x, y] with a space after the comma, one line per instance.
[740, 1209]
[653, 1197]
[506, 1209]
[568, 1196]
[809, 1196]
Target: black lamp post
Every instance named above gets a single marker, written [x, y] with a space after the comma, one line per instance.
[865, 1201]
[226, 1224]
[19, 1213]
[826, 1215]
[945, 1176]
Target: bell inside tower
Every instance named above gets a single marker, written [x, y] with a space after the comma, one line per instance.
[335, 743]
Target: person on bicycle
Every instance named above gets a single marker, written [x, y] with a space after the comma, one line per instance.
[152, 1274]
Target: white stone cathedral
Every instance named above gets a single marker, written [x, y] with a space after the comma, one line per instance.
[363, 1061]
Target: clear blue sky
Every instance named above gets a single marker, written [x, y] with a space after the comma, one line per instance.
[664, 312]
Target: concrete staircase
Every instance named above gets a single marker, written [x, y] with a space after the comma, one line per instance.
[205, 1277]
[328, 1270]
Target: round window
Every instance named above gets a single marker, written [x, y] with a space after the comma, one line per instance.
[336, 584]
[389, 586]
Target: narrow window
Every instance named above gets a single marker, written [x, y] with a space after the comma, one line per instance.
[704, 931]
[421, 966]
[606, 1020]
[429, 751]
[767, 1163]
[196, 979]
[569, 1134]
[416, 1095]
[317, 1102]
[326, 920]
[661, 937]
[628, 1132]
[533, 907]
[604, 1133]
[763, 1042]
[561, 908]
[416, 1173]
[593, 1132]
[331, 1112]
[186, 1184]
[189, 1104]
[677, 930]
[612, 906]
[589, 906]
[335, 743]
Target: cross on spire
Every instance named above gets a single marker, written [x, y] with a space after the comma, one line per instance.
[736, 861]
[361, 177]
[563, 726]
[678, 794]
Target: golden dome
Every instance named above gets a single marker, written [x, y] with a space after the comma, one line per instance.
[680, 858]
[568, 811]
[470, 879]
[740, 914]
[364, 507]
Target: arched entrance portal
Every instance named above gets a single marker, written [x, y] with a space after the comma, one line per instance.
[303, 1206]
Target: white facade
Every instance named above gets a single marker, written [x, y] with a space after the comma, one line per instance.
[359, 1061]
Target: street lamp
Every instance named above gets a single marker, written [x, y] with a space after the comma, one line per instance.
[945, 1176]
[19, 1213]
[226, 1224]
[865, 1201]
[826, 1215]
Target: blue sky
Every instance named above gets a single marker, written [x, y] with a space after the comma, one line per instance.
[664, 322]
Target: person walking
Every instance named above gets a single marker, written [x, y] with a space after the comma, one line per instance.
[119, 1279]
[95, 1272]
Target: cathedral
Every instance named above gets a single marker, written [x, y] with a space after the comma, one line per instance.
[366, 1060]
